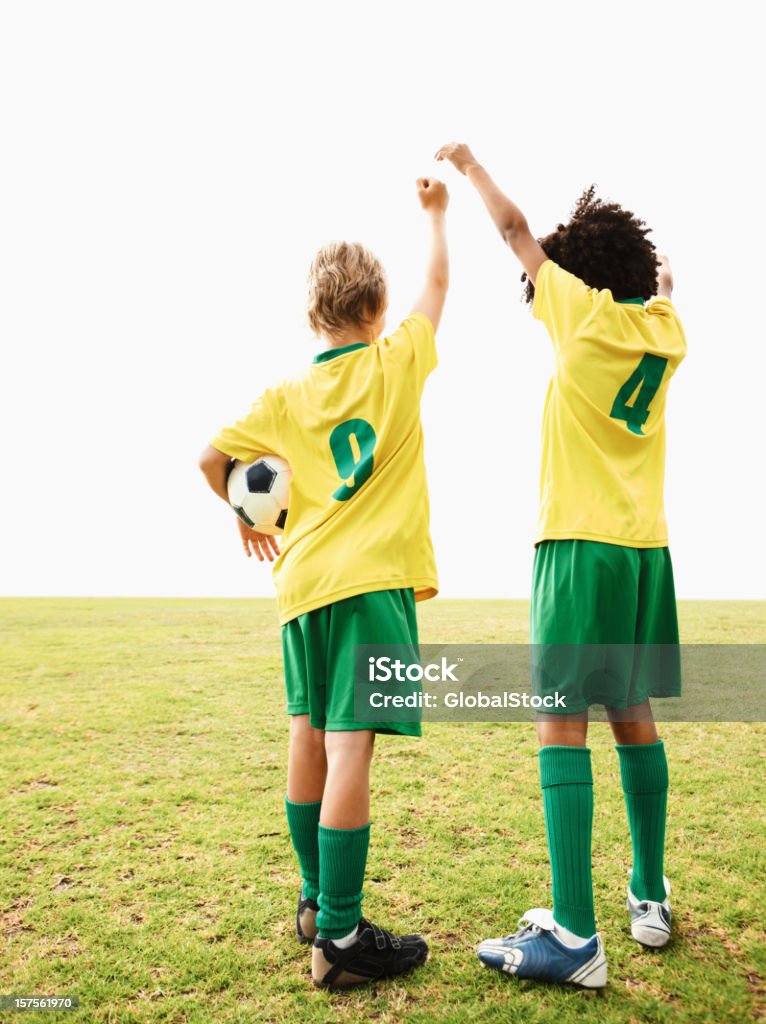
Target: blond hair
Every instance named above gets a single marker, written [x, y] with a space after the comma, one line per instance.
[347, 288]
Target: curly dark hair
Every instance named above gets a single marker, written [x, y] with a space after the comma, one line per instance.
[606, 247]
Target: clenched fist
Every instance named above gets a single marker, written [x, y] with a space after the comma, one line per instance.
[433, 194]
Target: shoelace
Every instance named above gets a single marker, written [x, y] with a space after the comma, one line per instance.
[523, 929]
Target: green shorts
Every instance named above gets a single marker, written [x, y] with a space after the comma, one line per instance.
[318, 650]
[594, 606]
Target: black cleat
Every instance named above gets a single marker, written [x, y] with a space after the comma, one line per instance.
[306, 920]
[375, 954]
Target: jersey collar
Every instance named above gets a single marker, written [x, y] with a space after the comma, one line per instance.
[331, 353]
[631, 302]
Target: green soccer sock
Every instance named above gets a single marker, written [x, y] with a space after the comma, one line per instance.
[342, 862]
[567, 783]
[303, 822]
[644, 770]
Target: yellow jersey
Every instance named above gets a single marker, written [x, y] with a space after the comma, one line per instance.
[603, 446]
[350, 429]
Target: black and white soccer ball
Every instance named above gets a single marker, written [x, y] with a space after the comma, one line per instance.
[259, 493]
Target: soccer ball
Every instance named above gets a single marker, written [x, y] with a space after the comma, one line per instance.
[259, 492]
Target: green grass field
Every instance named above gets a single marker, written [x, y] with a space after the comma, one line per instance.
[145, 863]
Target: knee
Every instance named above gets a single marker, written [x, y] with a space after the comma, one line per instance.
[304, 735]
[635, 733]
[350, 746]
[562, 733]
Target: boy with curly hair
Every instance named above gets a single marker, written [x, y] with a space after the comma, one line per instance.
[602, 580]
[357, 556]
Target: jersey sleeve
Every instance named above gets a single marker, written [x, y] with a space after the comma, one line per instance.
[562, 302]
[257, 433]
[413, 343]
[666, 314]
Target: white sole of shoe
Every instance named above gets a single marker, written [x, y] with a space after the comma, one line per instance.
[654, 938]
[592, 975]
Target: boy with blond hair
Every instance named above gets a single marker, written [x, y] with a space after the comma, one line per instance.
[357, 555]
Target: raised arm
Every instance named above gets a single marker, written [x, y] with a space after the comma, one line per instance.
[215, 468]
[434, 198]
[664, 277]
[508, 218]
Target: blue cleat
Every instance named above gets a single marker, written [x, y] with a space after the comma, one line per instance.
[539, 951]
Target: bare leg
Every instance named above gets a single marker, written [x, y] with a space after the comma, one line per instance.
[346, 801]
[632, 726]
[306, 773]
[307, 762]
[562, 730]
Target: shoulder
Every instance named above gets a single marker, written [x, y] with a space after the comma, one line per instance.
[274, 395]
[271, 402]
[411, 345]
[662, 309]
[554, 284]
[415, 325]
[667, 320]
[415, 335]
[660, 305]
[564, 304]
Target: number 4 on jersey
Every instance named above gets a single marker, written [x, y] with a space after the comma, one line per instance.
[648, 374]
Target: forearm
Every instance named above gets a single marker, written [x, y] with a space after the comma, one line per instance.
[215, 468]
[431, 300]
[508, 218]
[437, 271]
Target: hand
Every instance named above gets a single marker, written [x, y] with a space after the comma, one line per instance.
[258, 544]
[664, 277]
[433, 195]
[458, 154]
[663, 264]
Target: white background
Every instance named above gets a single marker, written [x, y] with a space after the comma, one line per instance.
[169, 170]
